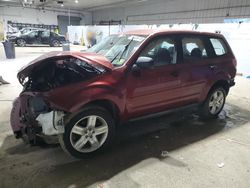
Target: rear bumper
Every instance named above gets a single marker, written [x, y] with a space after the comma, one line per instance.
[231, 82]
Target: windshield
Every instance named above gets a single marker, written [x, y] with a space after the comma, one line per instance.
[22, 31]
[118, 48]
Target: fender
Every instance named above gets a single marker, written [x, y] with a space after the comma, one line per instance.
[220, 76]
[85, 95]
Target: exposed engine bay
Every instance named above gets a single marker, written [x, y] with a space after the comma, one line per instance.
[32, 114]
[57, 72]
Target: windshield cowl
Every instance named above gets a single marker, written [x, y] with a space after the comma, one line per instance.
[96, 59]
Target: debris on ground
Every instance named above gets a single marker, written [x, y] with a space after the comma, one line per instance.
[2, 81]
[101, 186]
[220, 165]
[237, 142]
[72, 186]
[164, 153]
[157, 137]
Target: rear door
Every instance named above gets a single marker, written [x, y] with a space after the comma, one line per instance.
[197, 57]
[223, 60]
[45, 37]
[159, 87]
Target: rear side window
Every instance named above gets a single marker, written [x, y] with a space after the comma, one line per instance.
[53, 34]
[219, 46]
[193, 47]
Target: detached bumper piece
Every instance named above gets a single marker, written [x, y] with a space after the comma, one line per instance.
[51, 123]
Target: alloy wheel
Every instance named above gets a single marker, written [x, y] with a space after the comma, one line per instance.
[21, 42]
[216, 102]
[56, 43]
[89, 134]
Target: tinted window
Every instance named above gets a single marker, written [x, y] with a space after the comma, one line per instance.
[219, 46]
[162, 51]
[45, 34]
[33, 34]
[54, 34]
[193, 47]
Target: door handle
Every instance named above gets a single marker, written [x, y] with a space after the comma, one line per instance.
[175, 73]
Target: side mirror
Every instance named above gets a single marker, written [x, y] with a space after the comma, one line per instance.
[144, 62]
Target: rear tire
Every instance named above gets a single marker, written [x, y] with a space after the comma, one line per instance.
[55, 43]
[87, 133]
[214, 103]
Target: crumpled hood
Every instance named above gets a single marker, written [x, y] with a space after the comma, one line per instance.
[91, 58]
[14, 35]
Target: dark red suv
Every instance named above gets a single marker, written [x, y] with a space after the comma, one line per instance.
[80, 98]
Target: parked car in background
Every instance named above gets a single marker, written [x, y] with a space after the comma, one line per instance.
[22, 31]
[38, 37]
[82, 97]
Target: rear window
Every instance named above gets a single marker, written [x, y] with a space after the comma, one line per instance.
[219, 46]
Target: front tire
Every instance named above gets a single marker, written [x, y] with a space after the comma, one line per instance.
[214, 103]
[88, 132]
[21, 42]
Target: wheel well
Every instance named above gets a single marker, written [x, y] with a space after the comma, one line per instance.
[21, 39]
[221, 83]
[108, 105]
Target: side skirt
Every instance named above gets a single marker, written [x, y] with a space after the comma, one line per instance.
[177, 111]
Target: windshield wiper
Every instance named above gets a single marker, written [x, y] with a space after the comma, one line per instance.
[90, 68]
[122, 52]
[115, 56]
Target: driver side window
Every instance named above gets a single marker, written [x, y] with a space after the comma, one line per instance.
[45, 34]
[162, 51]
[33, 34]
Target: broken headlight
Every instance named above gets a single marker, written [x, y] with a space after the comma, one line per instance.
[37, 105]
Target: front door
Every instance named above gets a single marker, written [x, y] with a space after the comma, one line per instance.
[159, 87]
[32, 37]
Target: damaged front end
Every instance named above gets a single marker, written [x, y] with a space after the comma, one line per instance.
[31, 118]
[35, 113]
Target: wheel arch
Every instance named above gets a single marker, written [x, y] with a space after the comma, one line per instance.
[221, 83]
[109, 105]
